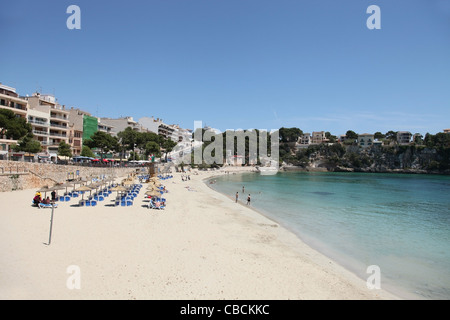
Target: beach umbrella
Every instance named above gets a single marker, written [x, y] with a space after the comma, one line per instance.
[128, 183]
[153, 193]
[67, 185]
[119, 188]
[84, 189]
[57, 187]
[44, 190]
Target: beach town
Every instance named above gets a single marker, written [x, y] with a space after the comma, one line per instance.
[334, 187]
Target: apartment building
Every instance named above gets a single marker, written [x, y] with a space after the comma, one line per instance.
[58, 125]
[76, 131]
[10, 100]
[120, 124]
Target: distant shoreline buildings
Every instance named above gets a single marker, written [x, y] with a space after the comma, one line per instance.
[52, 123]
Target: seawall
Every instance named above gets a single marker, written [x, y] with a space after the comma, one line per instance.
[27, 175]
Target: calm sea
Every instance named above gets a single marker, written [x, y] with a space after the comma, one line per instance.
[400, 223]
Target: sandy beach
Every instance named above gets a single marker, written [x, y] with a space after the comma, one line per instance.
[202, 246]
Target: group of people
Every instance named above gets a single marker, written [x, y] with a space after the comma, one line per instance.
[248, 197]
[185, 177]
[38, 198]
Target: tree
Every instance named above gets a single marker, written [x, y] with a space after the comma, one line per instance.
[13, 127]
[378, 135]
[64, 150]
[168, 145]
[87, 152]
[128, 138]
[103, 141]
[290, 134]
[28, 144]
[391, 135]
[418, 139]
[330, 137]
[351, 135]
[152, 148]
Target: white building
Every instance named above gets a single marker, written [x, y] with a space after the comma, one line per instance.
[304, 141]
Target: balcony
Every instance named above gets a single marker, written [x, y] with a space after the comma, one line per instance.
[59, 117]
[56, 125]
[40, 133]
[18, 109]
[54, 134]
[40, 123]
[53, 143]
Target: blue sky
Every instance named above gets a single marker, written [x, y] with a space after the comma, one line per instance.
[233, 64]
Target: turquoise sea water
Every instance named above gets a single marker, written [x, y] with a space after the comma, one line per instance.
[400, 223]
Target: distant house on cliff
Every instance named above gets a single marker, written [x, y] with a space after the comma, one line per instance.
[446, 130]
[365, 140]
[304, 141]
[318, 137]
[404, 137]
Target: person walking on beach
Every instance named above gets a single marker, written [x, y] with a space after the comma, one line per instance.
[237, 196]
[248, 200]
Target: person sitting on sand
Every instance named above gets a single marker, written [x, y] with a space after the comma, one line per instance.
[37, 199]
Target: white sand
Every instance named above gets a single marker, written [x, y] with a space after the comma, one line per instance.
[202, 246]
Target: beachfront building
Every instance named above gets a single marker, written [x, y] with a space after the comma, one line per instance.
[304, 141]
[120, 124]
[40, 124]
[365, 140]
[167, 131]
[151, 124]
[404, 137]
[173, 131]
[76, 125]
[446, 130]
[103, 127]
[90, 126]
[75, 140]
[58, 129]
[10, 100]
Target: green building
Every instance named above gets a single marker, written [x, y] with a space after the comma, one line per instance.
[90, 126]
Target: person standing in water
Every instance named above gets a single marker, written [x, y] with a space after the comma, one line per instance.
[237, 196]
[248, 199]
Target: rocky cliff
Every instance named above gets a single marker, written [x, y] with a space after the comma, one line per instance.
[407, 159]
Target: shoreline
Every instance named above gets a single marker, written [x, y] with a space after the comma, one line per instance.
[391, 293]
[320, 247]
[202, 246]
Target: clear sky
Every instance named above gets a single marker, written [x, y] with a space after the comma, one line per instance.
[238, 64]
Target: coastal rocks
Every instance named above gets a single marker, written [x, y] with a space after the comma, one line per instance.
[385, 159]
